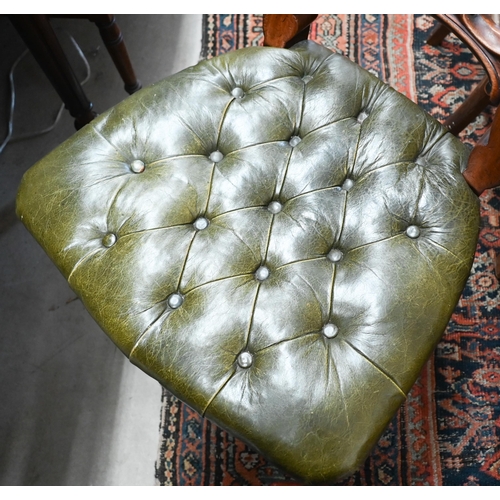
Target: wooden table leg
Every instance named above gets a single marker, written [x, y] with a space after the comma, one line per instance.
[41, 40]
[113, 40]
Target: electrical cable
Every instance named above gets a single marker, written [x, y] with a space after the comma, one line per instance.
[9, 139]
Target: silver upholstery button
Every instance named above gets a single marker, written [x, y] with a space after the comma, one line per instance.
[362, 116]
[421, 159]
[245, 359]
[237, 92]
[330, 330]
[137, 166]
[348, 184]
[200, 223]
[275, 207]
[307, 78]
[262, 273]
[294, 140]
[175, 300]
[413, 231]
[109, 240]
[335, 255]
[216, 156]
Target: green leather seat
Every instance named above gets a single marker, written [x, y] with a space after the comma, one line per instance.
[275, 235]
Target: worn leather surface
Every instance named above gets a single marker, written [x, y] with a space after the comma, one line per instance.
[306, 266]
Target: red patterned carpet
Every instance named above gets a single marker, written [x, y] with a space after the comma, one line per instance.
[448, 431]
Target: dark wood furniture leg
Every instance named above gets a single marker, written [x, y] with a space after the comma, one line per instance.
[113, 40]
[37, 33]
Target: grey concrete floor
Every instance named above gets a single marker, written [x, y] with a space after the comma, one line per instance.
[73, 410]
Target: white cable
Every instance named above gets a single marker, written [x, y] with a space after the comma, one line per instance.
[9, 138]
[12, 102]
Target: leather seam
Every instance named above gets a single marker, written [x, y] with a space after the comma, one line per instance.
[376, 366]
[187, 292]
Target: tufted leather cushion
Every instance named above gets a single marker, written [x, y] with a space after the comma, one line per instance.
[275, 235]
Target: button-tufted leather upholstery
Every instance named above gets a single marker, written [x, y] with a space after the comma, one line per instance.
[275, 235]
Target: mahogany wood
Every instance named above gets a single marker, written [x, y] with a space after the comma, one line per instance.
[485, 29]
[483, 168]
[285, 30]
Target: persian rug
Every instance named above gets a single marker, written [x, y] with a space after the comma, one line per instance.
[448, 431]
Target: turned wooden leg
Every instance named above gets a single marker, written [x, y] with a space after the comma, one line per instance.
[113, 40]
[470, 109]
[37, 33]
